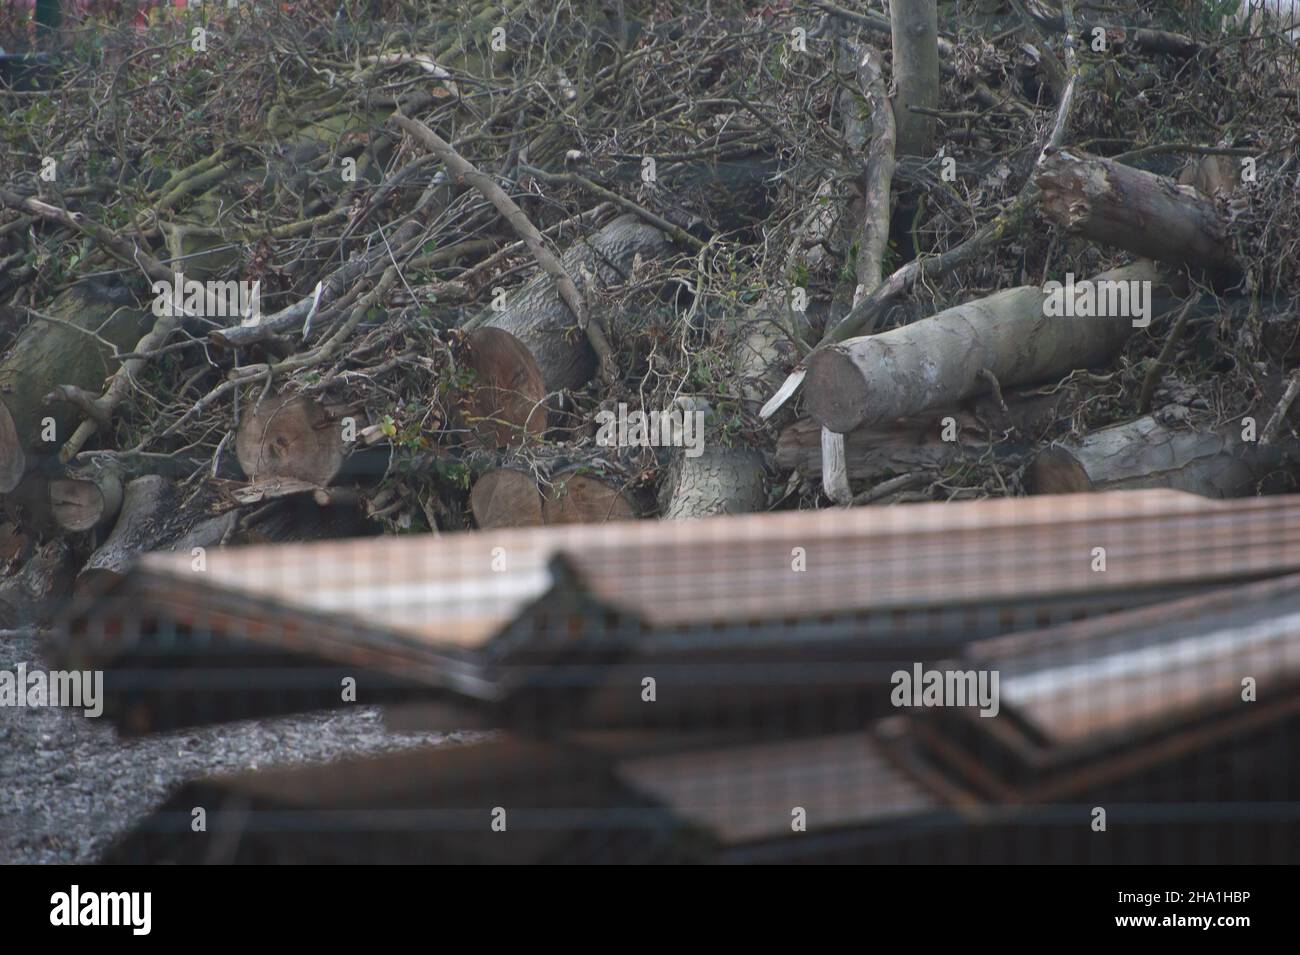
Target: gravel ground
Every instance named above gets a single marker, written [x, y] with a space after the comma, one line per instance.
[69, 786]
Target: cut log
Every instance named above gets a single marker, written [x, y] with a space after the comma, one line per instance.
[944, 359]
[505, 497]
[718, 481]
[1117, 205]
[543, 323]
[508, 400]
[1144, 453]
[290, 436]
[873, 453]
[33, 595]
[149, 520]
[148, 503]
[574, 498]
[1212, 176]
[81, 502]
[73, 345]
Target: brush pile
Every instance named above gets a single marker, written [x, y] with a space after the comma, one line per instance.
[320, 271]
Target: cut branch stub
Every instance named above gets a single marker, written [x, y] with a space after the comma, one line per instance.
[290, 436]
[1128, 208]
[505, 497]
[573, 498]
[508, 400]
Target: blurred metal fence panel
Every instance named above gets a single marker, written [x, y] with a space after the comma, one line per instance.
[1096, 677]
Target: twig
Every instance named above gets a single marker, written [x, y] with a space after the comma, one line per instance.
[1157, 370]
[678, 234]
[465, 171]
[114, 244]
[1275, 420]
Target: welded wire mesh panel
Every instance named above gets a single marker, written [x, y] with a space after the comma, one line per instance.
[1099, 696]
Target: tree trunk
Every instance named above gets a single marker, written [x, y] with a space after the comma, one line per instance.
[946, 358]
[1149, 215]
[718, 481]
[70, 348]
[543, 323]
[1144, 453]
[915, 29]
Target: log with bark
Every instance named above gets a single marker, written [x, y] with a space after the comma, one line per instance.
[1145, 453]
[538, 317]
[82, 501]
[1152, 216]
[916, 444]
[944, 359]
[34, 594]
[719, 481]
[70, 347]
[151, 518]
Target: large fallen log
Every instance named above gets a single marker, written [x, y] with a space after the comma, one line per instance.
[72, 346]
[539, 318]
[1144, 453]
[875, 452]
[1007, 337]
[1118, 205]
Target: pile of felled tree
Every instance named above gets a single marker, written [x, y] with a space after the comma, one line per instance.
[803, 257]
